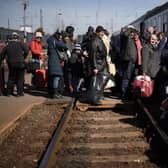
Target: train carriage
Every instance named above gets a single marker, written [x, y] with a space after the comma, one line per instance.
[157, 17]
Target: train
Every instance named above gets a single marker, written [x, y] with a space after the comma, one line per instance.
[6, 32]
[157, 18]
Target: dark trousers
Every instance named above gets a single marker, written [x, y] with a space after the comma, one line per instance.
[16, 76]
[127, 76]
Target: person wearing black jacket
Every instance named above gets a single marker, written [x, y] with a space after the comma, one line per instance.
[128, 60]
[99, 66]
[15, 53]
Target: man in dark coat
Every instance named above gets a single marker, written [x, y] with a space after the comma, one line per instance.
[15, 53]
[128, 59]
[99, 67]
[55, 71]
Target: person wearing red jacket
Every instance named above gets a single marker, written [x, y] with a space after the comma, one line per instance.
[36, 50]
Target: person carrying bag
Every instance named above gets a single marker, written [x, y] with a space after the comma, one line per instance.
[143, 85]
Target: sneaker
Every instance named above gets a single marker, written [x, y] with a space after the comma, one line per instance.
[56, 96]
[19, 95]
[96, 103]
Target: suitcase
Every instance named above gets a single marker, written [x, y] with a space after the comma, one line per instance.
[41, 78]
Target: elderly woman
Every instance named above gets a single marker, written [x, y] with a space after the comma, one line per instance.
[150, 57]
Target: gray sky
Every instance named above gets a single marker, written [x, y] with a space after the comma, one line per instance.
[112, 14]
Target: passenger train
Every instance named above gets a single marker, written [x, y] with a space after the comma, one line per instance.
[157, 17]
[5, 34]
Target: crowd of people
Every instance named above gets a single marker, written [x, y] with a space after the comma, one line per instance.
[131, 53]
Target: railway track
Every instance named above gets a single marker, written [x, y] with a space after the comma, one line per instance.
[100, 138]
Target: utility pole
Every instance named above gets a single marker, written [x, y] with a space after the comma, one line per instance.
[41, 18]
[112, 25]
[8, 23]
[25, 4]
[97, 12]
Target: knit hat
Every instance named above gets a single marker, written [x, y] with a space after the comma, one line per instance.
[77, 47]
[99, 29]
[38, 34]
[15, 35]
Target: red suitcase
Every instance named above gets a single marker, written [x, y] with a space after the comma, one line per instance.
[41, 78]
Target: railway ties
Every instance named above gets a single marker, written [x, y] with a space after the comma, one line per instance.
[100, 138]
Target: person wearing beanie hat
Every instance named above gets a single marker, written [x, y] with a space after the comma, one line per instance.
[77, 65]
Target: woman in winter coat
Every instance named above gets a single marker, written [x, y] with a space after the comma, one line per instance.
[55, 71]
[151, 61]
[150, 57]
[37, 53]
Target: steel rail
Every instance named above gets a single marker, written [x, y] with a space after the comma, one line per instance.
[163, 135]
[46, 161]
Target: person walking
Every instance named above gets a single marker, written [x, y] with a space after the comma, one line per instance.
[129, 60]
[99, 67]
[15, 53]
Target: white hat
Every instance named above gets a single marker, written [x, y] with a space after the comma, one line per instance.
[15, 34]
[131, 26]
[38, 34]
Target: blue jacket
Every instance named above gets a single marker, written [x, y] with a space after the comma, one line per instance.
[54, 62]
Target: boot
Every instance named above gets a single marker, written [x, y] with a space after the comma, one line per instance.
[56, 94]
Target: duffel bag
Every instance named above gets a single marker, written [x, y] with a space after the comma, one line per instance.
[144, 84]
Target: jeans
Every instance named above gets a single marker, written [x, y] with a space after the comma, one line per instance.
[127, 76]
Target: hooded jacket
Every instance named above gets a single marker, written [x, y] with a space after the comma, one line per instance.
[54, 62]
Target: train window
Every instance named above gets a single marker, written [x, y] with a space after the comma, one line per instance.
[160, 23]
[164, 18]
[165, 27]
[165, 23]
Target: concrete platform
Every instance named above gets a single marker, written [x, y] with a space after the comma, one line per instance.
[12, 108]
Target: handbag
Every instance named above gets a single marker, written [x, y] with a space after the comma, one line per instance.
[112, 68]
[144, 85]
[32, 66]
[62, 55]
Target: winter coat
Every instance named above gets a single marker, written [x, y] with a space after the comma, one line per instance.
[98, 55]
[54, 61]
[130, 53]
[15, 53]
[150, 60]
[36, 49]
[76, 64]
